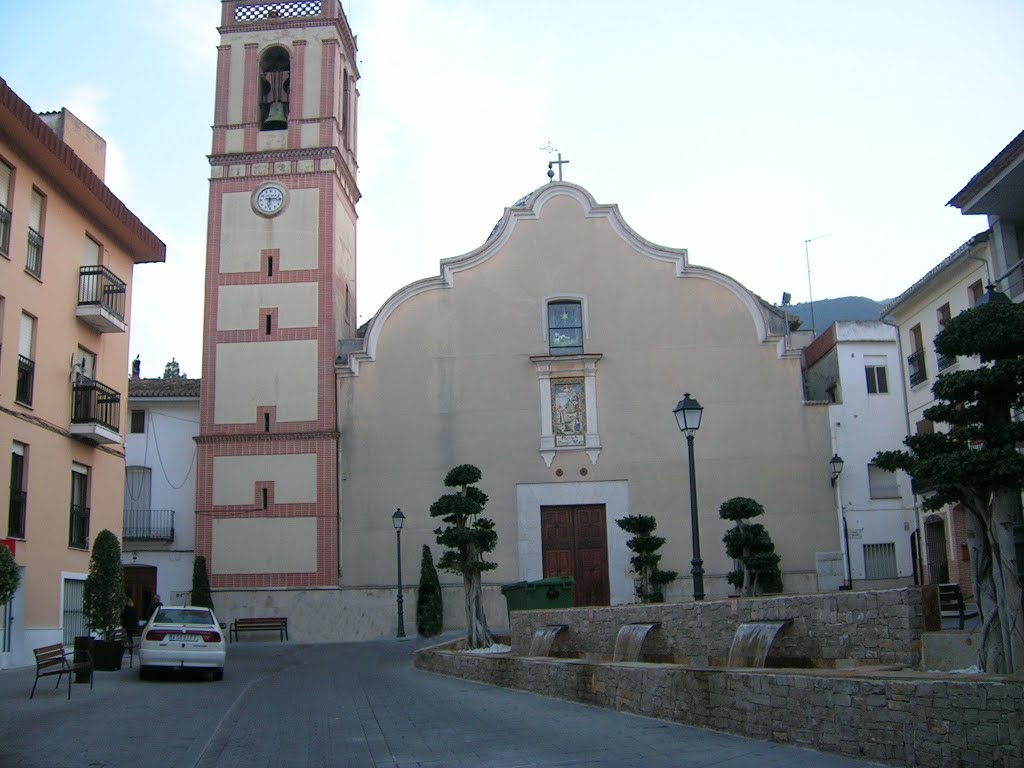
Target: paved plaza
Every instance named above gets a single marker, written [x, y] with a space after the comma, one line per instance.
[355, 705]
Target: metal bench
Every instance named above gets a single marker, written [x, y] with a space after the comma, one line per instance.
[52, 660]
[268, 623]
[952, 605]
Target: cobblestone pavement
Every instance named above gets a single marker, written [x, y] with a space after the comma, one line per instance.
[356, 705]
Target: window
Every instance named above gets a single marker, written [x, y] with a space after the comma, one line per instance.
[942, 316]
[565, 328]
[880, 561]
[138, 425]
[974, 293]
[19, 494]
[875, 373]
[34, 257]
[882, 483]
[915, 361]
[78, 529]
[138, 492]
[275, 69]
[74, 614]
[26, 365]
[6, 174]
[925, 427]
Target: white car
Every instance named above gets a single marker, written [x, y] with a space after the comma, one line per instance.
[183, 637]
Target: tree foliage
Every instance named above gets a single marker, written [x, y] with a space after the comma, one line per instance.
[8, 575]
[429, 601]
[201, 594]
[103, 595]
[752, 546]
[467, 536]
[976, 462]
[645, 560]
[173, 371]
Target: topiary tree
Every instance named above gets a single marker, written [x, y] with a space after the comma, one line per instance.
[103, 592]
[429, 602]
[977, 463]
[173, 371]
[8, 575]
[201, 584]
[750, 544]
[467, 536]
[645, 561]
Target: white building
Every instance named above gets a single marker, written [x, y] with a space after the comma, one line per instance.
[855, 366]
[160, 490]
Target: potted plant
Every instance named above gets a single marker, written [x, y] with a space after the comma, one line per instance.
[104, 600]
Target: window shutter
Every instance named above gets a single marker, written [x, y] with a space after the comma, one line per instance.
[91, 258]
[5, 184]
[28, 329]
[35, 212]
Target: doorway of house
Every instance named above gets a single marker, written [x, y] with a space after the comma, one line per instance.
[574, 542]
[140, 584]
[935, 548]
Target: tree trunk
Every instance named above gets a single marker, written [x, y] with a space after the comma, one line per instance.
[478, 634]
[1005, 512]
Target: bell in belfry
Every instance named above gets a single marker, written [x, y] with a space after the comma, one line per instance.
[276, 118]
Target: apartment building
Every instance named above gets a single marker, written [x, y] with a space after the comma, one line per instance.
[67, 250]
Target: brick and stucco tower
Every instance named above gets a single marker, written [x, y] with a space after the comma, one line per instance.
[280, 292]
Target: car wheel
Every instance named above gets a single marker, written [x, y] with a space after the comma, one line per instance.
[218, 673]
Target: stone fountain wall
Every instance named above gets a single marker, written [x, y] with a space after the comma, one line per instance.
[842, 629]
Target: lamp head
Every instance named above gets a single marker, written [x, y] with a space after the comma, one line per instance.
[398, 519]
[688, 413]
[836, 465]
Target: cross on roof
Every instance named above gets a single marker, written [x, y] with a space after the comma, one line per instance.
[559, 162]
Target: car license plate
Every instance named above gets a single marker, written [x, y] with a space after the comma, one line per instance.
[184, 638]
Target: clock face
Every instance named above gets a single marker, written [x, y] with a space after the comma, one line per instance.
[270, 199]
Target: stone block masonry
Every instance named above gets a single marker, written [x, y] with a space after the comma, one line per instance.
[903, 719]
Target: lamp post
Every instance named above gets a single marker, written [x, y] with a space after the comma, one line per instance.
[836, 466]
[397, 520]
[688, 413]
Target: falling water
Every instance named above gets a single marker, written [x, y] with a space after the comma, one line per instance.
[752, 641]
[543, 638]
[630, 639]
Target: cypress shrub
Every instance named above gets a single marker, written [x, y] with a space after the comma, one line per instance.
[103, 594]
[201, 584]
[429, 602]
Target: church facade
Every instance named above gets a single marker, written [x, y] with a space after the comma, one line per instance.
[551, 357]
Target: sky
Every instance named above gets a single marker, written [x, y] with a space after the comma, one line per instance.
[737, 129]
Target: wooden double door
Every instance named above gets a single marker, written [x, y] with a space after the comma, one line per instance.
[574, 542]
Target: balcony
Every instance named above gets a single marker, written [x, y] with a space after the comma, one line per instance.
[34, 257]
[5, 230]
[95, 412]
[78, 530]
[945, 362]
[149, 525]
[915, 368]
[26, 377]
[101, 299]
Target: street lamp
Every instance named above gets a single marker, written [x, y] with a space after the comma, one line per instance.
[835, 465]
[398, 520]
[688, 413]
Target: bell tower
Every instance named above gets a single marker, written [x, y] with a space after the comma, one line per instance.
[280, 293]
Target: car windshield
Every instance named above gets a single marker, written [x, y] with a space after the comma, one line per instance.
[183, 616]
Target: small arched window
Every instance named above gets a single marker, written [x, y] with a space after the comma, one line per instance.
[565, 328]
[275, 74]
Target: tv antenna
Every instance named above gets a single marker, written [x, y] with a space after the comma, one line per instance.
[807, 256]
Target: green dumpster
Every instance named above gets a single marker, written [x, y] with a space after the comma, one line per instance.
[555, 592]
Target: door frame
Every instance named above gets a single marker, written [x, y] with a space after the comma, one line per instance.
[613, 494]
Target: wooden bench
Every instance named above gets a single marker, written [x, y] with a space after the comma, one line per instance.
[952, 606]
[268, 623]
[52, 660]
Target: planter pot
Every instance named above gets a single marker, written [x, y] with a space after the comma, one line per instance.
[107, 655]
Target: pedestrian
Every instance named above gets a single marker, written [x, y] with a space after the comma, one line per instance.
[130, 618]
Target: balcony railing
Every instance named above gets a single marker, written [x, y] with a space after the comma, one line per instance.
[34, 259]
[944, 362]
[916, 369]
[101, 299]
[5, 229]
[95, 411]
[149, 524]
[78, 530]
[16, 515]
[26, 376]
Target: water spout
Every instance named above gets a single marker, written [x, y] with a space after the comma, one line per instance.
[630, 640]
[543, 639]
[752, 641]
